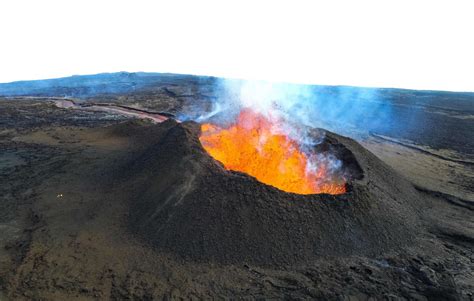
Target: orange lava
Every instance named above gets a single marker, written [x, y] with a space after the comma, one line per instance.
[254, 145]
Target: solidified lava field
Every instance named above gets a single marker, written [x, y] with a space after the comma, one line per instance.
[97, 204]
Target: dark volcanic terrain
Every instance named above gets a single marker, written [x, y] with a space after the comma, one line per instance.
[99, 204]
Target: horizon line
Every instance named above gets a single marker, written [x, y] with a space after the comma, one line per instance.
[281, 82]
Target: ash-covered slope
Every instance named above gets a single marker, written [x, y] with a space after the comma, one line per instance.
[188, 205]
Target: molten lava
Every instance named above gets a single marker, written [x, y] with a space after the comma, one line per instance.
[257, 146]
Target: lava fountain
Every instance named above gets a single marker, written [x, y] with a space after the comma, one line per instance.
[260, 146]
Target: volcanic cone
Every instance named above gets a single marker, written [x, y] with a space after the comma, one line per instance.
[188, 205]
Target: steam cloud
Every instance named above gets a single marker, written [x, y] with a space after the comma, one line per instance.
[345, 110]
[299, 111]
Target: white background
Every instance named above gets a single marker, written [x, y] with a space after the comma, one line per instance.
[410, 44]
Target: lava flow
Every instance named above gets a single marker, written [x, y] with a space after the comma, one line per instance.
[257, 146]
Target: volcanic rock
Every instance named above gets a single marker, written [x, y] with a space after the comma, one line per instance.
[189, 206]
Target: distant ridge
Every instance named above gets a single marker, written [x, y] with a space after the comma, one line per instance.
[84, 86]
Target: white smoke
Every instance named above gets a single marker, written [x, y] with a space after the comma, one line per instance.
[284, 104]
[287, 106]
[301, 112]
[349, 111]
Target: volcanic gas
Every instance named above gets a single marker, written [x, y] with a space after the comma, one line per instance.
[260, 146]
